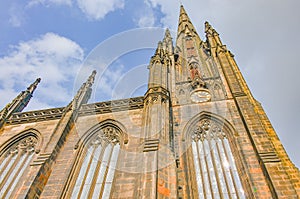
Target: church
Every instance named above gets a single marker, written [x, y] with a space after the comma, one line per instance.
[196, 133]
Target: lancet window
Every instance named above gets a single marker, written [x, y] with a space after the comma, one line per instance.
[98, 165]
[13, 163]
[218, 92]
[215, 167]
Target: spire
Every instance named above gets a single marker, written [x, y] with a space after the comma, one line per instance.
[19, 103]
[212, 35]
[184, 21]
[84, 92]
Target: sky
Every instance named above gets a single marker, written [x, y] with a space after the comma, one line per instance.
[61, 40]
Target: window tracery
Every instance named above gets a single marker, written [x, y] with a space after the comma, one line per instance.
[215, 168]
[13, 163]
[97, 169]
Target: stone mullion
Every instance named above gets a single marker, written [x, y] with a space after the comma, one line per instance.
[222, 166]
[230, 168]
[15, 176]
[86, 172]
[76, 172]
[112, 169]
[215, 167]
[6, 164]
[28, 160]
[208, 172]
[12, 167]
[106, 171]
[200, 166]
[94, 180]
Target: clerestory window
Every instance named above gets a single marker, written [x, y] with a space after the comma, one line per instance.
[215, 168]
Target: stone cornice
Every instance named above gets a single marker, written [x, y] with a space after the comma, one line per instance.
[86, 109]
[112, 106]
[36, 116]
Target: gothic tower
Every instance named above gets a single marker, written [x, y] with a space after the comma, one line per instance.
[196, 133]
[225, 146]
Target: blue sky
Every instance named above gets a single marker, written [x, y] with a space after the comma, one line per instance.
[57, 40]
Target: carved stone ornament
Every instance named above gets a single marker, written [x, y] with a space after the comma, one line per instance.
[207, 129]
[26, 145]
[106, 135]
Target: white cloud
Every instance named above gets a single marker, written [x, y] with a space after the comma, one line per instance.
[146, 21]
[54, 58]
[144, 16]
[108, 74]
[98, 9]
[16, 15]
[170, 9]
[92, 9]
[49, 2]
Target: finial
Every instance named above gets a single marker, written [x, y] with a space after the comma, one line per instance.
[167, 33]
[33, 86]
[182, 10]
[207, 26]
[91, 78]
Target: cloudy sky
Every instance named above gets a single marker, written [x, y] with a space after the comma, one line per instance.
[60, 40]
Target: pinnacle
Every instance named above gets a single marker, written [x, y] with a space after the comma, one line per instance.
[207, 23]
[168, 37]
[167, 33]
[159, 46]
[209, 29]
[92, 77]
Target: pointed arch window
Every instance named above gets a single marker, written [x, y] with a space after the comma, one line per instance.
[13, 163]
[215, 168]
[97, 168]
[218, 92]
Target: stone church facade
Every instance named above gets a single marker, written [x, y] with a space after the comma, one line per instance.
[196, 133]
